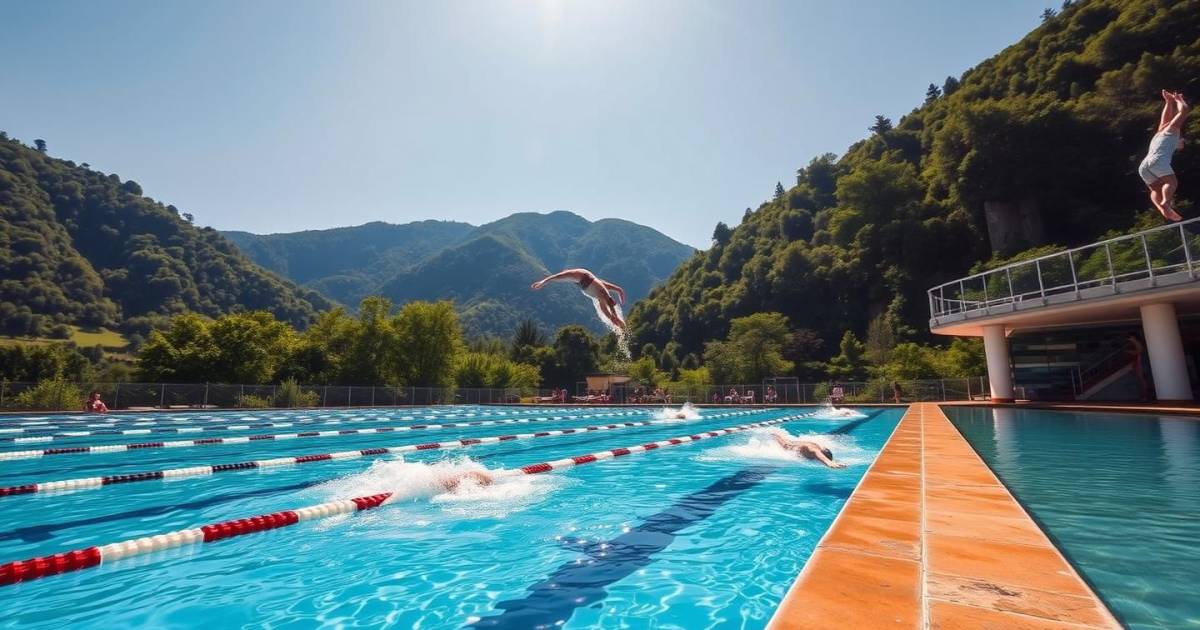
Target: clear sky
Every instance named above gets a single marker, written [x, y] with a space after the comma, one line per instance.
[276, 116]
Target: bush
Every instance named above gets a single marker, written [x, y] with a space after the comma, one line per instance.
[289, 394]
[51, 395]
[246, 401]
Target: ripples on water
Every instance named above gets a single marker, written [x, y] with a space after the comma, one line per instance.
[706, 535]
[1119, 494]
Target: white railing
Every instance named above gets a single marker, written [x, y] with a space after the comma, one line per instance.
[1138, 261]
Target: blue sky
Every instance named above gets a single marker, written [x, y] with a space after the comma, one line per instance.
[280, 116]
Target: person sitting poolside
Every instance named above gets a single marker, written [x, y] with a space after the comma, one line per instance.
[770, 396]
[94, 404]
[749, 397]
[807, 449]
[716, 398]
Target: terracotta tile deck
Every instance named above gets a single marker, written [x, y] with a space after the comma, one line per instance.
[931, 539]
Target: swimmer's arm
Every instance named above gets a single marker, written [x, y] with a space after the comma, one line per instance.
[612, 287]
[825, 460]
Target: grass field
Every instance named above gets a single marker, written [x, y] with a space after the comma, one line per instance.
[103, 337]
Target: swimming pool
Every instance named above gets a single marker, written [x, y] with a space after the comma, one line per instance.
[1118, 493]
[699, 535]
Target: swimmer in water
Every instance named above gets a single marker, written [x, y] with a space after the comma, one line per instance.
[808, 449]
[599, 290]
[452, 481]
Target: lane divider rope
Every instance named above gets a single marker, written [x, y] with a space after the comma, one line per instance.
[111, 430]
[99, 421]
[45, 566]
[91, 483]
[117, 448]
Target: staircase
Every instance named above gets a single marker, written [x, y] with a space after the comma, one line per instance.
[1103, 372]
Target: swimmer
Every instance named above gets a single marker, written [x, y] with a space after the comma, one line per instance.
[1155, 168]
[452, 481]
[808, 449]
[597, 289]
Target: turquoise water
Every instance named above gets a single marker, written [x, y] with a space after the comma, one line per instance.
[1119, 494]
[703, 535]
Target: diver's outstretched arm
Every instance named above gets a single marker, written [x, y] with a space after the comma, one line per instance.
[1181, 112]
[1168, 111]
[566, 274]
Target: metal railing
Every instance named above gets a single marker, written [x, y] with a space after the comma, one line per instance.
[69, 396]
[1142, 260]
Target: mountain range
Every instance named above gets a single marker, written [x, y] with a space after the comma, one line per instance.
[486, 270]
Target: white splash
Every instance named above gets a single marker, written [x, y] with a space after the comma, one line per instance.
[411, 482]
[617, 331]
[760, 445]
[687, 412]
[829, 412]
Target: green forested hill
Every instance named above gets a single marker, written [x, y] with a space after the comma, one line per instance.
[486, 270]
[81, 247]
[1036, 146]
[347, 264]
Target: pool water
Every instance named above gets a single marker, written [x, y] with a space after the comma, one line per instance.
[702, 535]
[1118, 493]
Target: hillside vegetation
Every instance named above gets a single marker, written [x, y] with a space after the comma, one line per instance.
[486, 271]
[81, 247]
[1043, 140]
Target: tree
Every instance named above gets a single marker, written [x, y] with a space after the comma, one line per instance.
[760, 339]
[949, 86]
[932, 93]
[721, 234]
[1048, 14]
[189, 217]
[575, 354]
[372, 355]
[849, 363]
[882, 125]
[428, 343]
[779, 191]
[40, 144]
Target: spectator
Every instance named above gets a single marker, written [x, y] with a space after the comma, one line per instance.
[94, 404]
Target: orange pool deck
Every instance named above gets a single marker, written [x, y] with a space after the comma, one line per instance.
[932, 539]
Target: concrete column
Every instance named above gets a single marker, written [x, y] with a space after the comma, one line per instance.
[995, 346]
[1164, 347]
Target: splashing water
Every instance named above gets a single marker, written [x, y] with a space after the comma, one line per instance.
[417, 481]
[759, 445]
[829, 412]
[687, 412]
[617, 331]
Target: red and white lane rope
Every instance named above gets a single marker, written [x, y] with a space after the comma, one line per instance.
[114, 421]
[112, 431]
[45, 566]
[137, 446]
[91, 483]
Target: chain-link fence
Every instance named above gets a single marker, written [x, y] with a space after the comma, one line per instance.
[863, 392]
[70, 396]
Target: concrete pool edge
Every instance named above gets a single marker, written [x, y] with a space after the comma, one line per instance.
[931, 538]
